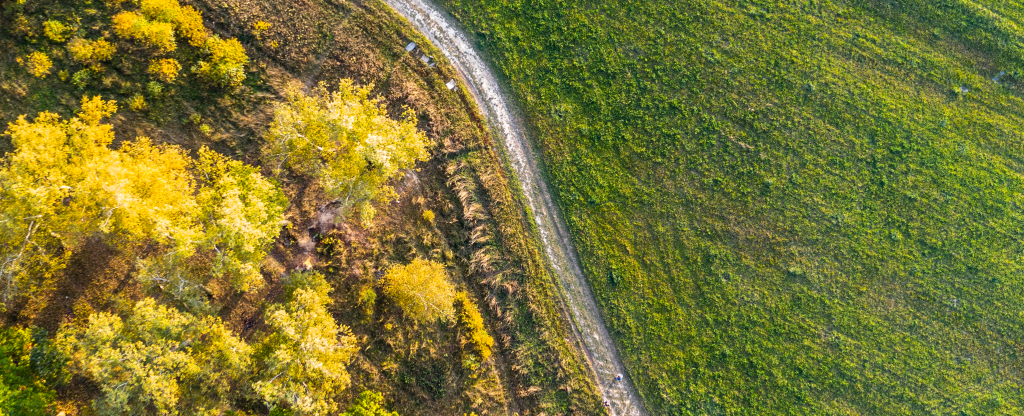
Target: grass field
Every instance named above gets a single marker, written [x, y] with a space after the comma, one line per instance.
[787, 207]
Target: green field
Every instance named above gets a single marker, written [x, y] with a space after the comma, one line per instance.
[787, 207]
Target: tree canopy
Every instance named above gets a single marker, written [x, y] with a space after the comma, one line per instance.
[22, 392]
[158, 361]
[347, 142]
[304, 357]
[63, 184]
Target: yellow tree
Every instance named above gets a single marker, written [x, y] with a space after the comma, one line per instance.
[346, 141]
[62, 184]
[241, 214]
[421, 289]
[305, 355]
[157, 361]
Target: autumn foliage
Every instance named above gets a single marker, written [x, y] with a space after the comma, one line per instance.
[346, 142]
[421, 289]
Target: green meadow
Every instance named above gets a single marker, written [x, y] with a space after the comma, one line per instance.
[787, 207]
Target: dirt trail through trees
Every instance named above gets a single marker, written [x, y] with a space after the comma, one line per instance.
[601, 354]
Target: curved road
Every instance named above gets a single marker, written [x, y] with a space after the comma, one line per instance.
[601, 354]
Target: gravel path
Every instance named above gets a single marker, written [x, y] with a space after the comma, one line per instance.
[601, 354]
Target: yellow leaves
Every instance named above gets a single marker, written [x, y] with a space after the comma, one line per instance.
[307, 351]
[37, 63]
[165, 70]
[241, 212]
[157, 357]
[90, 51]
[421, 289]
[346, 141]
[187, 21]
[225, 65]
[154, 34]
[158, 22]
[56, 31]
[473, 333]
[94, 109]
[259, 28]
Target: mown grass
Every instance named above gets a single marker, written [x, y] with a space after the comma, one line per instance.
[787, 207]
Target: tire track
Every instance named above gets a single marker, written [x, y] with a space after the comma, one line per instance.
[587, 324]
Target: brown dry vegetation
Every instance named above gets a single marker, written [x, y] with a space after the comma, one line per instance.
[479, 230]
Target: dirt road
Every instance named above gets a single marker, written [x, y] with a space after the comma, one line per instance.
[477, 76]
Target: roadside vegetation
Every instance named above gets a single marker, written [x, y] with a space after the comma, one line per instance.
[259, 208]
[787, 207]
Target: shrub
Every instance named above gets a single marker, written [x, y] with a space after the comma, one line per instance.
[428, 216]
[90, 51]
[37, 63]
[158, 35]
[225, 65]
[137, 102]
[187, 21]
[56, 31]
[473, 335]
[165, 70]
[421, 289]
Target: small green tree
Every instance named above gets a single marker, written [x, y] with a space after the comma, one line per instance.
[225, 63]
[305, 355]
[421, 289]
[346, 141]
[157, 361]
[369, 403]
[22, 392]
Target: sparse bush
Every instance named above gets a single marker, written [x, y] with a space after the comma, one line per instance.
[154, 88]
[37, 63]
[421, 289]
[81, 77]
[56, 31]
[165, 70]
[369, 403]
[137, 102]
[225, 65]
